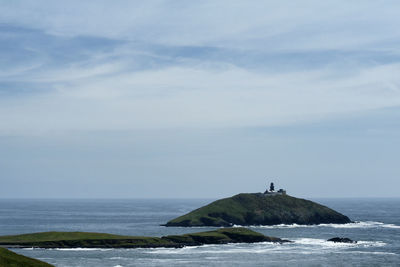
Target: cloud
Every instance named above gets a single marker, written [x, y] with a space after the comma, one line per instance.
[261, 24]
[199, 97]
[185, 94]
[172, 64]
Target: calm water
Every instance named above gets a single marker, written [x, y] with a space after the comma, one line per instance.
[377, 230]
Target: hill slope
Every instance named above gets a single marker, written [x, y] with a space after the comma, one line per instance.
[11, 259]
[259, 209]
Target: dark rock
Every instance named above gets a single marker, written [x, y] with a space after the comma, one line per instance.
[342, 240]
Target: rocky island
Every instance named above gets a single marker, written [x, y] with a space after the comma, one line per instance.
[269, 208]
[100, 240]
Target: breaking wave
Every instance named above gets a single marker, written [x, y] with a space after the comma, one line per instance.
[364, 224]
[299, 246]
[82, 249]
[329, 244]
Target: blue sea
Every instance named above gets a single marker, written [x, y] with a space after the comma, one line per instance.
[376, 228]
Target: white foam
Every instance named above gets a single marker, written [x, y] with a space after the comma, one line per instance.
[261, 247]
[328, 244]
[371, 243]
[364, 224]
[371, 252]
[82, 249]
[304, 246]
[321, 243]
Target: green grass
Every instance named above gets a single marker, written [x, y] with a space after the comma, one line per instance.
[100, 240]
[80, 239]
[223, 235]
[258, 209]
[210, 237]
[11, 259]
[56, 236]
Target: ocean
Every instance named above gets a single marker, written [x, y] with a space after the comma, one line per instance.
[376, 227]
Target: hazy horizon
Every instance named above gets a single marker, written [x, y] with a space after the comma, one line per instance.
[175, 99]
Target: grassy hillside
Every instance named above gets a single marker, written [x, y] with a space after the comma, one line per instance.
[80, 239]
[99, 240]
[221, 236]
[56, 236]
[259, 209]
[11, 259]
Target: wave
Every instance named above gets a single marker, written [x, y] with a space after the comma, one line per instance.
[356, 224]
[370, 252]
[82, 249]
[361, 224]
[220, 249]
[70, 249]
[303, 246]
[366, 224]
[299, 246]
[329, 244]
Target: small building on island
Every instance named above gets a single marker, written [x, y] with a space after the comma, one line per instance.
[272, 191]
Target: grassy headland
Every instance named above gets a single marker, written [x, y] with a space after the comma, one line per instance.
[100, 240]
[11, 259]
[259, 209]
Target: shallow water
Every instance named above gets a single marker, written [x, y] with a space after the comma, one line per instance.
[377, 228]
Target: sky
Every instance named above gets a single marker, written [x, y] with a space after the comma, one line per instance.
[199, 99]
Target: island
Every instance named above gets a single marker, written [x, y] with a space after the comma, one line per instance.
[269, 208]
[101, 240]
[9, 258]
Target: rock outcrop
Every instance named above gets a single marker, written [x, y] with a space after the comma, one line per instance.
[341, 240]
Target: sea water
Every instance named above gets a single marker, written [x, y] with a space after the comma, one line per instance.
[376, 228]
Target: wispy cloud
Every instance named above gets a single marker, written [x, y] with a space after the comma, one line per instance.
[198, 97]
[165, 64]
